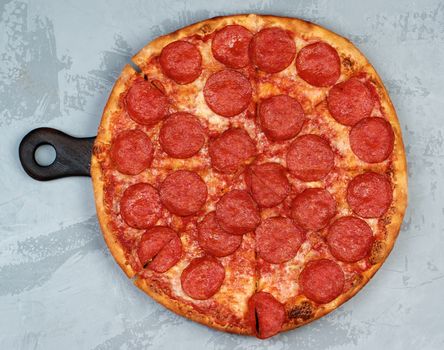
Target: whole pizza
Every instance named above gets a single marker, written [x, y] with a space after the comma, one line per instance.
[252, 175]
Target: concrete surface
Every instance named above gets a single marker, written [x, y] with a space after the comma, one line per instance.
[59, 286]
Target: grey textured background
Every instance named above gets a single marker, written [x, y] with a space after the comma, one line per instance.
[59, 286]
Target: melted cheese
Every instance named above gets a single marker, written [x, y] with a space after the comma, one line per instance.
[242, 275]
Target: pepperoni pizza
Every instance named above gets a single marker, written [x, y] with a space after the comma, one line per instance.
[252, 176]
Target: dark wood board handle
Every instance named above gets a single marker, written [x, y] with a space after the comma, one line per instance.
[73, 155]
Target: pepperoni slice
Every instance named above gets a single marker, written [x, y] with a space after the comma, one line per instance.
[350, 101]
[237, 213]
[181, 135]
[313, 209]
[370, 195]
[181, 61]
[267, 183]
[215, 241]
[278, 240]
[230, 46]
[281, 117]
[265, 314]
[231, 149]
[131, 152]
[202, 278]
[322, 280]
[183, 192]
[372, 140]
[146, 104]
[310, 158]
[272, 50]
[318, 64]
[227, 92]
[140, 206]
[350, 239]
[159, 249]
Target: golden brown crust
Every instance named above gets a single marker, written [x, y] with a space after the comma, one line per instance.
[185, 310]
[301, 310]
[111, 241]
[252, 22]
[104, 138]
[113, 105]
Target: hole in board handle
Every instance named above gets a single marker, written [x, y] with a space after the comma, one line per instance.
[45, 155]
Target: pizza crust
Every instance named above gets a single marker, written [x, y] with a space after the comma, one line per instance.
[307, 310]
[186, 310]
[252, 22]
[103, 140]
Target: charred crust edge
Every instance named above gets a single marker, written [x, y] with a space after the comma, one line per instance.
[303, 311]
